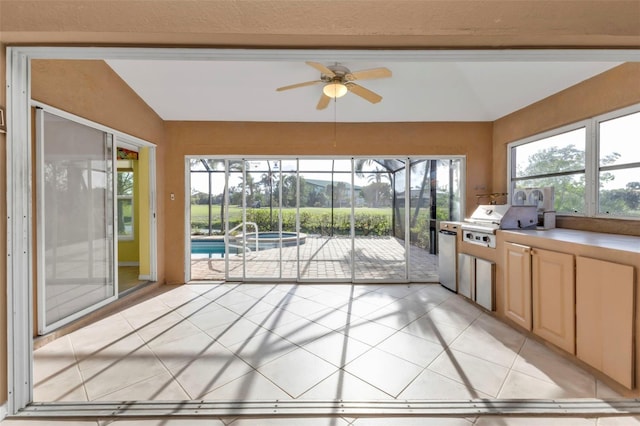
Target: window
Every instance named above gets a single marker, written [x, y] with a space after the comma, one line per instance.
[619, 166]
[125, 204]
[557, 161]
[594, 166]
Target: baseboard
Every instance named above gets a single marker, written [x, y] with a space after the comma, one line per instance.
[144, 277]
[3, 411]
[128, 263]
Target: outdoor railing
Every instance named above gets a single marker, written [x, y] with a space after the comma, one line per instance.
[243, 225]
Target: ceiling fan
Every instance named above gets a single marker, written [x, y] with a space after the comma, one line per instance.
[338, 80]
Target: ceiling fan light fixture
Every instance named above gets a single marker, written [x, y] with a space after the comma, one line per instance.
[335, 90]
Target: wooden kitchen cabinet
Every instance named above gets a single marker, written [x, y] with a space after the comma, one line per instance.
[553, 297]
[540, 293]
[605, 312]
[517, 291]
[606, 274]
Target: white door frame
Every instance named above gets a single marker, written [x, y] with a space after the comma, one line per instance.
[19, 169]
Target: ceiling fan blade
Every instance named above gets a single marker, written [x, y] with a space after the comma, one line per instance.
[323, 102]
[366, 94]
[295, 86]
[324, 70]
[369, 74]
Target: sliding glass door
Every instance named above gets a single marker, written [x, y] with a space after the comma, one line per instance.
[76, 251]
[287, 189]
[378, 253]
[319, 219]
[262, 236]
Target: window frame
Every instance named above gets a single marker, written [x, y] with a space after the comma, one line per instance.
[592, 160]
[633, 109]
[130, 236]
[511, 163]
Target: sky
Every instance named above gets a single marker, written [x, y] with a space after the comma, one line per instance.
[309, 169]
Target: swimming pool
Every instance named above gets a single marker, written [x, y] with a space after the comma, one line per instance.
[215, 249]
[212, 249]
[271, 239]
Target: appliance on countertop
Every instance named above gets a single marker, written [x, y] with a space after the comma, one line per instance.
[447, 255]
[481, 227]
[543, 198]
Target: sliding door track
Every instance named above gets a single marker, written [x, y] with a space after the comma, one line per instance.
[326, 408]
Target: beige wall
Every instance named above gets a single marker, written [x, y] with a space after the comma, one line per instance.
[315, 23]
[615, 89]
[371, 139]
[90, 89]
[308, 24]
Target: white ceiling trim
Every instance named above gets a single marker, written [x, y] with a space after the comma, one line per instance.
[204, 54]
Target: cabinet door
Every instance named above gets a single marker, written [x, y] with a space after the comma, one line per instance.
[485, 284]
[518, 284]
[466, 275]
[553, 285]
[605, 311]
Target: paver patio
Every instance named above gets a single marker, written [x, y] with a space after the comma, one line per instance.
[326, 258]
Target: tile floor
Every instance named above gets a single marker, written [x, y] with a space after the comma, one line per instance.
[225, 341]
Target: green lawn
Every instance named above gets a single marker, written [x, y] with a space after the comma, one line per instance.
[315, 220]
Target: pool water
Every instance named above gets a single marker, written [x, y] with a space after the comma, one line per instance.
[214, 249]
[209, 249]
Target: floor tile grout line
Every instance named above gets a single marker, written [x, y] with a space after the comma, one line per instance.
[258, 366]
[129, 385]
[77, 364]
[447, 349]
[513, 362]
[168, 370]
[548, 381]
[483, 359]
[398, 356]
[145, 345]
[84, 373]
[256, 371]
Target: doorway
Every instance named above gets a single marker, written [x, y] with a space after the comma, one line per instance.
[132, 215]
[93, 191]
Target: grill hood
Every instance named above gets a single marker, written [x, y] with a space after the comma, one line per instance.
[504, 216]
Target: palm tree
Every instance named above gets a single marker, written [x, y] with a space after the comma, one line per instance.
[423, 185]
[267, 181]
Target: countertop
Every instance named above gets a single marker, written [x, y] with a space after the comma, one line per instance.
[609, 241]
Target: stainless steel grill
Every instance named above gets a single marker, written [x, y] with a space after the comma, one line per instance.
[481, 227]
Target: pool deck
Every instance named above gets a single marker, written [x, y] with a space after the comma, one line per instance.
[376, 258]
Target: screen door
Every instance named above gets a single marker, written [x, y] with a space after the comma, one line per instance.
[76, 251]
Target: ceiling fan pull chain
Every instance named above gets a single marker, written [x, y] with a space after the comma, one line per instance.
[335, 121]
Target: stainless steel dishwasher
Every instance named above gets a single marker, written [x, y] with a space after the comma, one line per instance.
[447, 256]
